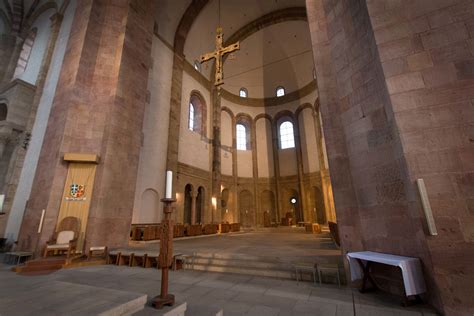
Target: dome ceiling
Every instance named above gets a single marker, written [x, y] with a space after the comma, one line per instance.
[279, 54]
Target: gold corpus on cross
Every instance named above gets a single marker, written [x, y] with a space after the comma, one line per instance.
[218, 54]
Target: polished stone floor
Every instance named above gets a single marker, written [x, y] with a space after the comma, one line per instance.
[284, 244]
[206, 293]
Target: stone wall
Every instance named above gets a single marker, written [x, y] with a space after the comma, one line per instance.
[395, 82]
[98, 108]
[427, 54]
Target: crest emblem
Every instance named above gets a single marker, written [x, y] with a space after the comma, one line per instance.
[76, 190]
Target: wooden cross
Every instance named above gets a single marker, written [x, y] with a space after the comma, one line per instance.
[218, 54]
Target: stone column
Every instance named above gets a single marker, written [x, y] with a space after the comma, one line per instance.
[305, 211]
[98, 108]
[323, 170]
[216, 149]
[276, 165]
[193, 206]
[253, 135]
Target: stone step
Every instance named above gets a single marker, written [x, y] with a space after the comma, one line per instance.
[272, 273]
[242, 263]
[253, 265]
[45, 262]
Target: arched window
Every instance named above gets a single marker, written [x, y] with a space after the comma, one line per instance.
[197, 114]
[25, 53]
[197, 65]
[287, 137]
[191, 117]
[243, 93]
[241, 137]
[280, 91]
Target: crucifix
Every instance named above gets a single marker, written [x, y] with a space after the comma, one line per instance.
[218, 54]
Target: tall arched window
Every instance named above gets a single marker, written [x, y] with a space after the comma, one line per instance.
[191, 117]
[243, 93]
[241, 137]
[25, 53]
[280, 91]
[197, 114]
[287, 137]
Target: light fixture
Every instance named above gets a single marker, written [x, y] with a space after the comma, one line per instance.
[293, 200]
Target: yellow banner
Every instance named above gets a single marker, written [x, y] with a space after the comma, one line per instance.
[77, 196]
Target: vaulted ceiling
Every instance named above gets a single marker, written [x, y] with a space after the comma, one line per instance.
[278, 54]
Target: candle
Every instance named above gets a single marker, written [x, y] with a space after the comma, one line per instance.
[40, 227]
[169, 184]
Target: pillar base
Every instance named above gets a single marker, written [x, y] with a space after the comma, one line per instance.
[159, 302]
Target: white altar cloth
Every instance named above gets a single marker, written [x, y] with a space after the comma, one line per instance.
[411, 268]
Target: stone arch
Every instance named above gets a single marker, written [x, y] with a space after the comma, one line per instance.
[246, 208]
[200, 112]
[302, 107]
[150, 201]
[32, 16]
[200, 204]
[263, 116]
[229, 111]
[247, 121]
[268, 206]
[188, 200]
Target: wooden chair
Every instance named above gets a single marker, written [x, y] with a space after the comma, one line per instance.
[65, 238]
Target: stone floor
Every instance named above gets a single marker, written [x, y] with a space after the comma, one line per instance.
[205, 293]
[283, 243]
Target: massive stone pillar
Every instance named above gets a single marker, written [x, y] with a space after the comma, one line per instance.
[396, 84]
[98, 108]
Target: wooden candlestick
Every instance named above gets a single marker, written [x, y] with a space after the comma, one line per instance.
[165, 259]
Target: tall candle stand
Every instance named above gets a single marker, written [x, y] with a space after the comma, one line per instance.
[165, 258]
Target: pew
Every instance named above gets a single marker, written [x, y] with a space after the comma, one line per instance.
[235, 227]
[209, 229]
[178, 230]
[193, 230]
[224, 228]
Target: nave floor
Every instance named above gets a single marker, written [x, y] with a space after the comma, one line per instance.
[205, 293]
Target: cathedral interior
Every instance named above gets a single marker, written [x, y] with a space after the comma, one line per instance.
[345, 118]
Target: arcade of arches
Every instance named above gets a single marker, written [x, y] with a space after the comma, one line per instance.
[330, 111]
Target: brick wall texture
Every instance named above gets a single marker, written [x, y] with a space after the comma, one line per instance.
[98, 108]
[396, 80]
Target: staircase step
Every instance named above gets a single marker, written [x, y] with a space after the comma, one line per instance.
[45, 262]
[281, 274]
[242, 263]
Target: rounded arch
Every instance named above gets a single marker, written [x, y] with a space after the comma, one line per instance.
[188, 200]
[149, 203]
[246, 208]
[278, 16]
[245, 120]
[284, 115]
[185, 24]
[303, 107]
[30, 20]
[229, 111]
[200, 204]
[263, 116]
[198, 115]
[268, 206]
